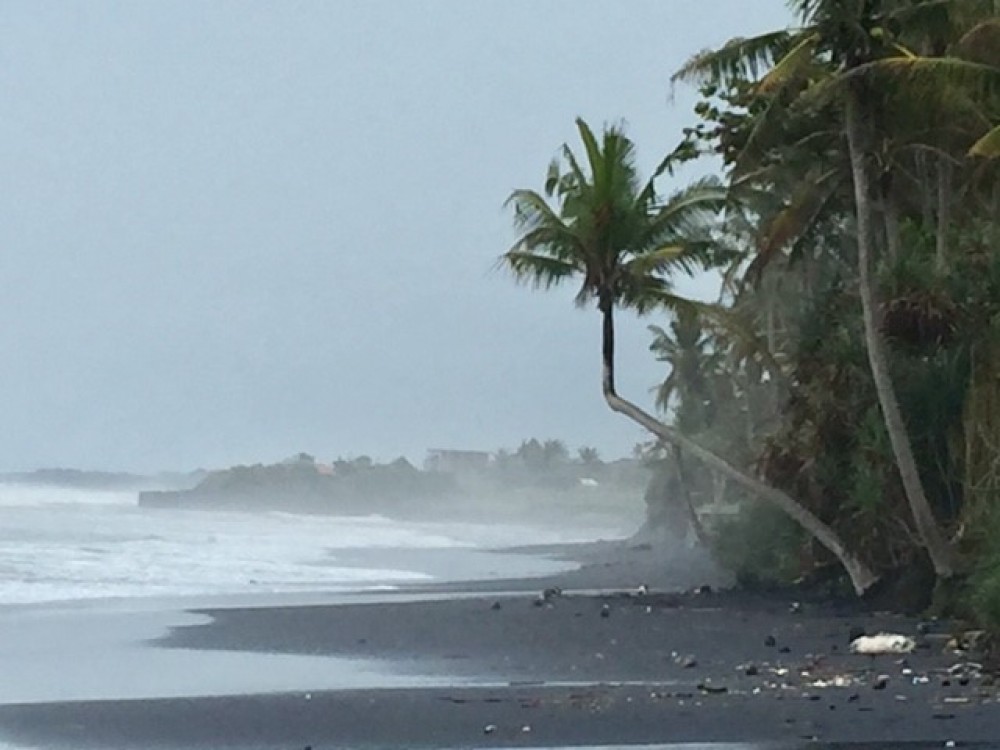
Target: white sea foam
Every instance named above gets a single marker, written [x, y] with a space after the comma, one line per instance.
[58, 544]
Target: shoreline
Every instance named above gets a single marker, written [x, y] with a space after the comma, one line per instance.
[607, 667]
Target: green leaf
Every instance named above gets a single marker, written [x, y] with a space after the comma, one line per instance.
[791, 67]
[988, 146]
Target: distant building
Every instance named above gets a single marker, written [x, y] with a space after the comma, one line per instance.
[456, 462]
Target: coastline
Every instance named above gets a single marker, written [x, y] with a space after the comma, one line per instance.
[470, 665]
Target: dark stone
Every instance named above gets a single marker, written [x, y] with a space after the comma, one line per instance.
[880, 683]
[770, 641]
[784, 650]
[605, 611]
[496, 606]
[713, 689]
[751, 671]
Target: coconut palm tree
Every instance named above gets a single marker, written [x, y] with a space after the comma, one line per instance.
[848, 52]
[609, 230]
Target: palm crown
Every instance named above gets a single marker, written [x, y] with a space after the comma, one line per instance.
[608, 228]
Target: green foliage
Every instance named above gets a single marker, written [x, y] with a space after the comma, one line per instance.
[761, 545]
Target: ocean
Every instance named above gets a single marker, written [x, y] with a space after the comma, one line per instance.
[65, 544]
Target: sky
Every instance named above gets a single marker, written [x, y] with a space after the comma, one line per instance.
[232, 231]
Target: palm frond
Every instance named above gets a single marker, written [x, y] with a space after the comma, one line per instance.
[791, 67]
[542, 271]
[531, 209]
[658, 261]
[808, 199]
[738, 58]
[595, 158]
[988, 146]
[981, 43]
[922, 75]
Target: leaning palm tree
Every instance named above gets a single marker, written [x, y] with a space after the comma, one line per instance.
[608, 230]
[846, 52]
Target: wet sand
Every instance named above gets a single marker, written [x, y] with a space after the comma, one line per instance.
[605, 669]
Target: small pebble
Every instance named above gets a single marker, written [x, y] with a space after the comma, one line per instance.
[751, 671]
[770, 641]
[605, 611]
[880, 682]
[489, 729]
[496, 606]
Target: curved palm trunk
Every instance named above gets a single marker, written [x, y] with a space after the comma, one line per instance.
[862, 578]
[940, 551]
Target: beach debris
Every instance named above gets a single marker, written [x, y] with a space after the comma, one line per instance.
[685, 661]
[540, 601]
[956, 699]
[495, 606]
[968, 667]
[706, 589]
[795, 608]
[883, 643]
[641, 590]
[881, 682]
[770, 641]
[526, 728]
[950, 743]
[784, 650]
[489, 729]
[853, 698]
[969, 640]
[552, 592]
[605, 610]
[751, 670]
[308, 696]
[710, 689]
[837, 681]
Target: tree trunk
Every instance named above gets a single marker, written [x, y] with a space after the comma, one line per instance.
[893, 236]
[940, 551]
[944, 174]
[924, 178]
[862, 578]
[685, 490]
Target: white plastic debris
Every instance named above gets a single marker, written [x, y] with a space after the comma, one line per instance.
[883, 643]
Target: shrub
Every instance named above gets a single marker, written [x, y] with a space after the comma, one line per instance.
[760, 545]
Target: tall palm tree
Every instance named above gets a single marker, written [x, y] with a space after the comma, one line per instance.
[846, 51]
[609, 230]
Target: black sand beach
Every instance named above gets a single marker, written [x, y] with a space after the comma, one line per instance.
[604, 669]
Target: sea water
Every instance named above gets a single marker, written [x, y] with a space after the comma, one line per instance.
[63, 544]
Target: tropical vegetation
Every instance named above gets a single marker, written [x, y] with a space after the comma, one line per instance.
[842, 391]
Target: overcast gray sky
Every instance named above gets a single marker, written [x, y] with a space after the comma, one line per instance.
[235, 230]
